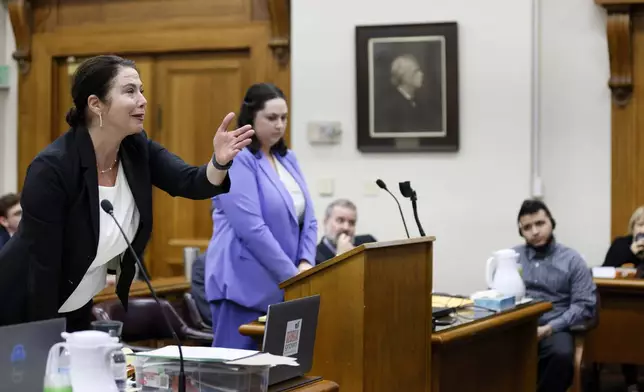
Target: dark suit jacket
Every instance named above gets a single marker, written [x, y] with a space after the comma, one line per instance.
[394, 113]
[198, 287]
[4, 236]
[58, 235]
[324, 253]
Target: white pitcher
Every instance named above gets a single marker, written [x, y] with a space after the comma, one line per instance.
[90, 355]
[502, 274]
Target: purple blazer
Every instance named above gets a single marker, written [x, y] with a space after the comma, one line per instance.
[257, 241]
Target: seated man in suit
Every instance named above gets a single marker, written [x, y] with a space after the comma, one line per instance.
[198, 287]
[339, 231]
[555, 273]
[10, 214]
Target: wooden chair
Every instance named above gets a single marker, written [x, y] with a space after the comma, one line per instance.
[580, 332]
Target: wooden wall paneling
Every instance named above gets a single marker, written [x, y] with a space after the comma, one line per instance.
[35, 111]
[625, 37]
[57, 15]
[193, 94]
[280, 44]
[624, 152]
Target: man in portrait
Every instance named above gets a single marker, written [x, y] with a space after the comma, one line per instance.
[407, 102]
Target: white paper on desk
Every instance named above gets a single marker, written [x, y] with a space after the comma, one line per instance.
[205, 354]
[264, 359]
[604, 272]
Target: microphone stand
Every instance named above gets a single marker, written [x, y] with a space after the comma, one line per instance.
[414, 207]
[407, 191]
[106, 205]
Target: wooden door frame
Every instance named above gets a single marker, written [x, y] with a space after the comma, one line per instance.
[36, 53]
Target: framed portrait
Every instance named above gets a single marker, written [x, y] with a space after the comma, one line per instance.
[407, 87]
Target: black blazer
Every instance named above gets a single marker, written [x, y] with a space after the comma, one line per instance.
[57, 238]
[620, 253]
[324, 253]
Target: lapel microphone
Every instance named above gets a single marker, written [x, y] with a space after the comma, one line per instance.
[107, 206]
[381, 184]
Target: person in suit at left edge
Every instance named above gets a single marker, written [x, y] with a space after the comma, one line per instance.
[265, 229]
[65, 244]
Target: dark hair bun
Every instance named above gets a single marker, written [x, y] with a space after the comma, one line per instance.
[72, 118]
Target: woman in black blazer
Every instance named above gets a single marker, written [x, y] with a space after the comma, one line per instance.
[65, 244]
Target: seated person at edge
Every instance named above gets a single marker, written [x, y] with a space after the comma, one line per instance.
[554, 273]
[264, 229]
[198, 288]
[629, 249]
[10, 214]
[65, 244]
[340, 220]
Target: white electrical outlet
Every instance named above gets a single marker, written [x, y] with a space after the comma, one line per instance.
[326, 187]
[324, 132]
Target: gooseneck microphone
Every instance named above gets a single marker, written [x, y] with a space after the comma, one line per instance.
[381, 185]
[408, 192]
[107, 206]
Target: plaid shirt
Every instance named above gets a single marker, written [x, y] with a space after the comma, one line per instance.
[560, 276]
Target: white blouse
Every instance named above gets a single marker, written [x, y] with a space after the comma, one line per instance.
[111, 244]
[293, 188]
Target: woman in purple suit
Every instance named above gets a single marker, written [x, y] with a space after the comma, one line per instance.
[264, 228]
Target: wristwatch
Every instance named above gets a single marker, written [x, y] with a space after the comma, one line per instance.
[221, 167]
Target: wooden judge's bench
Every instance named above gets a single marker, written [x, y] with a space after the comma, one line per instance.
[375, 327]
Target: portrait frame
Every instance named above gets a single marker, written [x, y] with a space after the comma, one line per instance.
[398, 110]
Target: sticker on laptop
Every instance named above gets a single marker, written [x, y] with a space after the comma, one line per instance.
[292, 338]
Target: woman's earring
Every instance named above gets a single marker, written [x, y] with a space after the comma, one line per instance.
[100, 120]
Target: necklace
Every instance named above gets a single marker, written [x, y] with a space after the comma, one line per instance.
[108, 169]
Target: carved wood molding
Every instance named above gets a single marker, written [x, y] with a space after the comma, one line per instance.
[21, 16]
[620, 49]
[280, 12]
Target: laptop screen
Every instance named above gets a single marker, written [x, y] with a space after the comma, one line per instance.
[290, 331]
[23, 354]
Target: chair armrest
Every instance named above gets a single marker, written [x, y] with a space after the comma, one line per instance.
[585, 327]
[582, 328]
[195, 334]
[193, 313]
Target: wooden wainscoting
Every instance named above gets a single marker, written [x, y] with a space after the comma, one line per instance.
[625, 31]
[196, 59]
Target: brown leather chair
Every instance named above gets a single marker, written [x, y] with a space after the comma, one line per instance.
[144, 321]
[193, 315]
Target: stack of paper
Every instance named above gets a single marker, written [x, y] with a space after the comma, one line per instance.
[228, 356]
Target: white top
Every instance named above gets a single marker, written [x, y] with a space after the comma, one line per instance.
[293, 188]
[111, 244]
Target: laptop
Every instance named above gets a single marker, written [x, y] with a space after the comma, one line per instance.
[290, 331]
[23, 354]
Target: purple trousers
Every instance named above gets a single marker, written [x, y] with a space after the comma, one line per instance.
[227, 316]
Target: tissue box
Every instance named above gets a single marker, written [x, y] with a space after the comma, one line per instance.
[496, 303]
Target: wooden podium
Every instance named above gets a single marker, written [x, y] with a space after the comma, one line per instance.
[375, 324]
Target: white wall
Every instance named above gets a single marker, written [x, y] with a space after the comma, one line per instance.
[468, 200]
[8, 111]
[576, 141]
